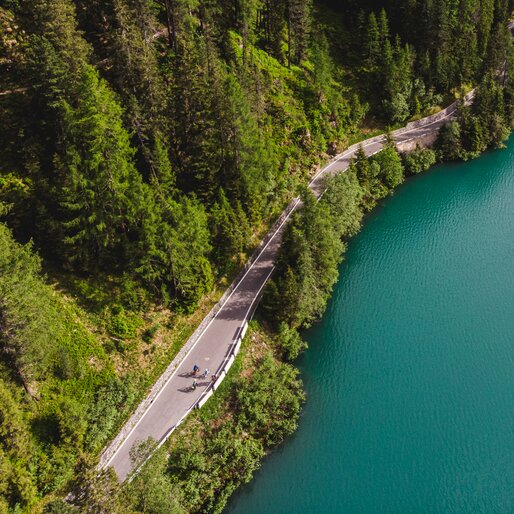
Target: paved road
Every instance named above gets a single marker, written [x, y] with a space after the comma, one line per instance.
[175, 401]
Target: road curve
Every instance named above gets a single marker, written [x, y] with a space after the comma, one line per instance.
[174, 400]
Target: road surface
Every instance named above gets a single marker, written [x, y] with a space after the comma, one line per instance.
[175, 400]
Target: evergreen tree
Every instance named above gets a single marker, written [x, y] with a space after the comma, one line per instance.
[247, 168]
[373, 41]
[299, 26]
[59, 53]
[28, 325]
[274, 22]
[449, 145]
[485, 24]
[228, 238]
[307, 266]
[172, 257]
[136, 76]
[391, 167]
[198, 143]
[101, 194]
[369, 176]
[397, 81]
[344, 199]
[383, 27]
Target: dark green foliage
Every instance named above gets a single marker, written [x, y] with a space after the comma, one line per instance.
[307, 266]
[102, 197]
[290, 341]
[210, 471]
[369, 176]
[391, 167]
[270, 402]
[314, 242]
[449, 144]
[372, 42]
[60, 507]
[173, 255]
[416, 50]
[249, 157]
[135, 74]
[207, 461]
[486, 124]
[311, 251]
[344, 200]
[421, 159]
[57, 51]
[230, 231]
[152, 491]
[127, 123]
[100, 493]
[396, 73]
[28, 322]
[149, 144]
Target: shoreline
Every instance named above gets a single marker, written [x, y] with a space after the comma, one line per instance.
[406, 138]
[230, 389]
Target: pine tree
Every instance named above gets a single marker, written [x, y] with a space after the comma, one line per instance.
[369, 175]
[449, 142]
[135, 75]
[344, 198]
[228, 240]
[249, 160]
[28, 324]
[299, 26]
[396, 75]
[173, 252]
[196, 110]
[101, 193]
[373, 41]
[275, 22]
[59, 53]
[485, 24]
[383, 27]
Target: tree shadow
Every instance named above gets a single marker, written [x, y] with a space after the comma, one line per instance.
[46, 428]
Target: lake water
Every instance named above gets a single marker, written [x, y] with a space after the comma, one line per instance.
[410, 375]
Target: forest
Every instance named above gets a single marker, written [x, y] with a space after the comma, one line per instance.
[146, 146]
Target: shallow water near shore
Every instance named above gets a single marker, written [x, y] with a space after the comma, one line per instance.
[410, 374]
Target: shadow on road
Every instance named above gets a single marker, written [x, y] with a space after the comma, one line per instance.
[187, 374]
[189, 389]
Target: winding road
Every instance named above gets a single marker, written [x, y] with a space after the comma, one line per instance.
[169, 403]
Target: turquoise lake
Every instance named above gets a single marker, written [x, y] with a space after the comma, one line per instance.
[410, 374]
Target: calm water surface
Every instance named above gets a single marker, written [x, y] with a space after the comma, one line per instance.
[410, 375]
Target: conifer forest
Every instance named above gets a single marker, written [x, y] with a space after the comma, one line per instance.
[146, 147]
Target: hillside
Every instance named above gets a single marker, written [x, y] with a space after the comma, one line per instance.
[145, 147]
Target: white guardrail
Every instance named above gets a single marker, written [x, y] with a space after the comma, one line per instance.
[223, 369]
[204, 398]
